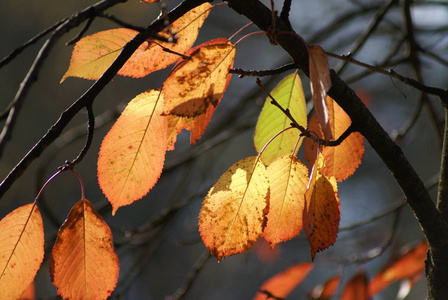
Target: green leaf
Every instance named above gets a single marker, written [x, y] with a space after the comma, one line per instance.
[289, 94]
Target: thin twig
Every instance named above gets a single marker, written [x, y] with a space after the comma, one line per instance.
[81, 33]
[90, 132]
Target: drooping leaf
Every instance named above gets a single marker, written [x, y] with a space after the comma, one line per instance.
[322, 211]
[84, 264]
[288, 179]
[282, 284]
[408, 267]
[93, 54]
[21, 250]
[289, 94]
[320, 84]
[233, 213]
[133, 152]
[200, 81]
[340, 161]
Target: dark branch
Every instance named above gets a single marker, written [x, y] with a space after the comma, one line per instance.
[262, 73]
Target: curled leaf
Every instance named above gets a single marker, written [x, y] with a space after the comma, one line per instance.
[233, 213]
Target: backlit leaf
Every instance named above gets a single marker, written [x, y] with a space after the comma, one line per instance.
[327, 290]
[322, 211]
[21, 250]
[320, 84]
[200, 81]
[289, 94]
[288, 178]
[93, 54]
[84, 264]
[340, 161]
[133, 152]
[233, 213]
[409, 266]
[282, 284]
[356, 288]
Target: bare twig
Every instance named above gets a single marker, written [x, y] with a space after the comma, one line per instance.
[262, 73]
[81, 33]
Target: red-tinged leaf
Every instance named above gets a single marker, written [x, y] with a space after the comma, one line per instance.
[322, 211]
[340, 161]
[288, 179]
[152, 1]
[133, 152]
[84, 264]
[200, 81]
[356, 288]
[327, 290]
[320, 84]
[407, 266]
[93, 54]
[196, 126]
[21, 250]
[282, 284]
[29, 293]
[233, 213]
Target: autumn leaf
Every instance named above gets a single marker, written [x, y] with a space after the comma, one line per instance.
[84, 264]
[233, 213]
[327, 290]
[93, 54]
[200, 81]
[133, 152]
[322, 211]
[356, 288]
[21, 250]
[282, 284]
[288, 179]
[289, 94]
[320, 82]
[29, 293]
[340, 161]
[409, 266]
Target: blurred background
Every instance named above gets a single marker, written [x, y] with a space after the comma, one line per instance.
[157, 237]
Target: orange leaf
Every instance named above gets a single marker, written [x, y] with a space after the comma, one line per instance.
[322, 212]
[406, 267]
[84, 264]
[29, 293]
[200, 81]
[327, 290]
[233, 213]
[21, 250]
[93, 54]
[340, 161]
[356, 288]
[133, 152]
[320, 84]
[282, 284]
[288, 178]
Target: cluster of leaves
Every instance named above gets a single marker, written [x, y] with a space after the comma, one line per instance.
[272, 195]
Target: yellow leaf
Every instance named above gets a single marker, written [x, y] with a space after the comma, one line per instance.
[288, 178]
[200, 81]
[133, 152]
[233, 213]
[340, 161]
[21, 250]
[289, 94]
[322, 212]
[84, 264]
[93, 54]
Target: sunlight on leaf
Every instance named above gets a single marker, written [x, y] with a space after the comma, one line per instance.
[84, 264]
[282, 284]
[409, 266]
[288, 178]
[320, 84]
[233, 213]
[200, 81]
[289, 94]
[322, 211]
[133, 152]
[340, 161]
[21, 250]
[93, 54]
